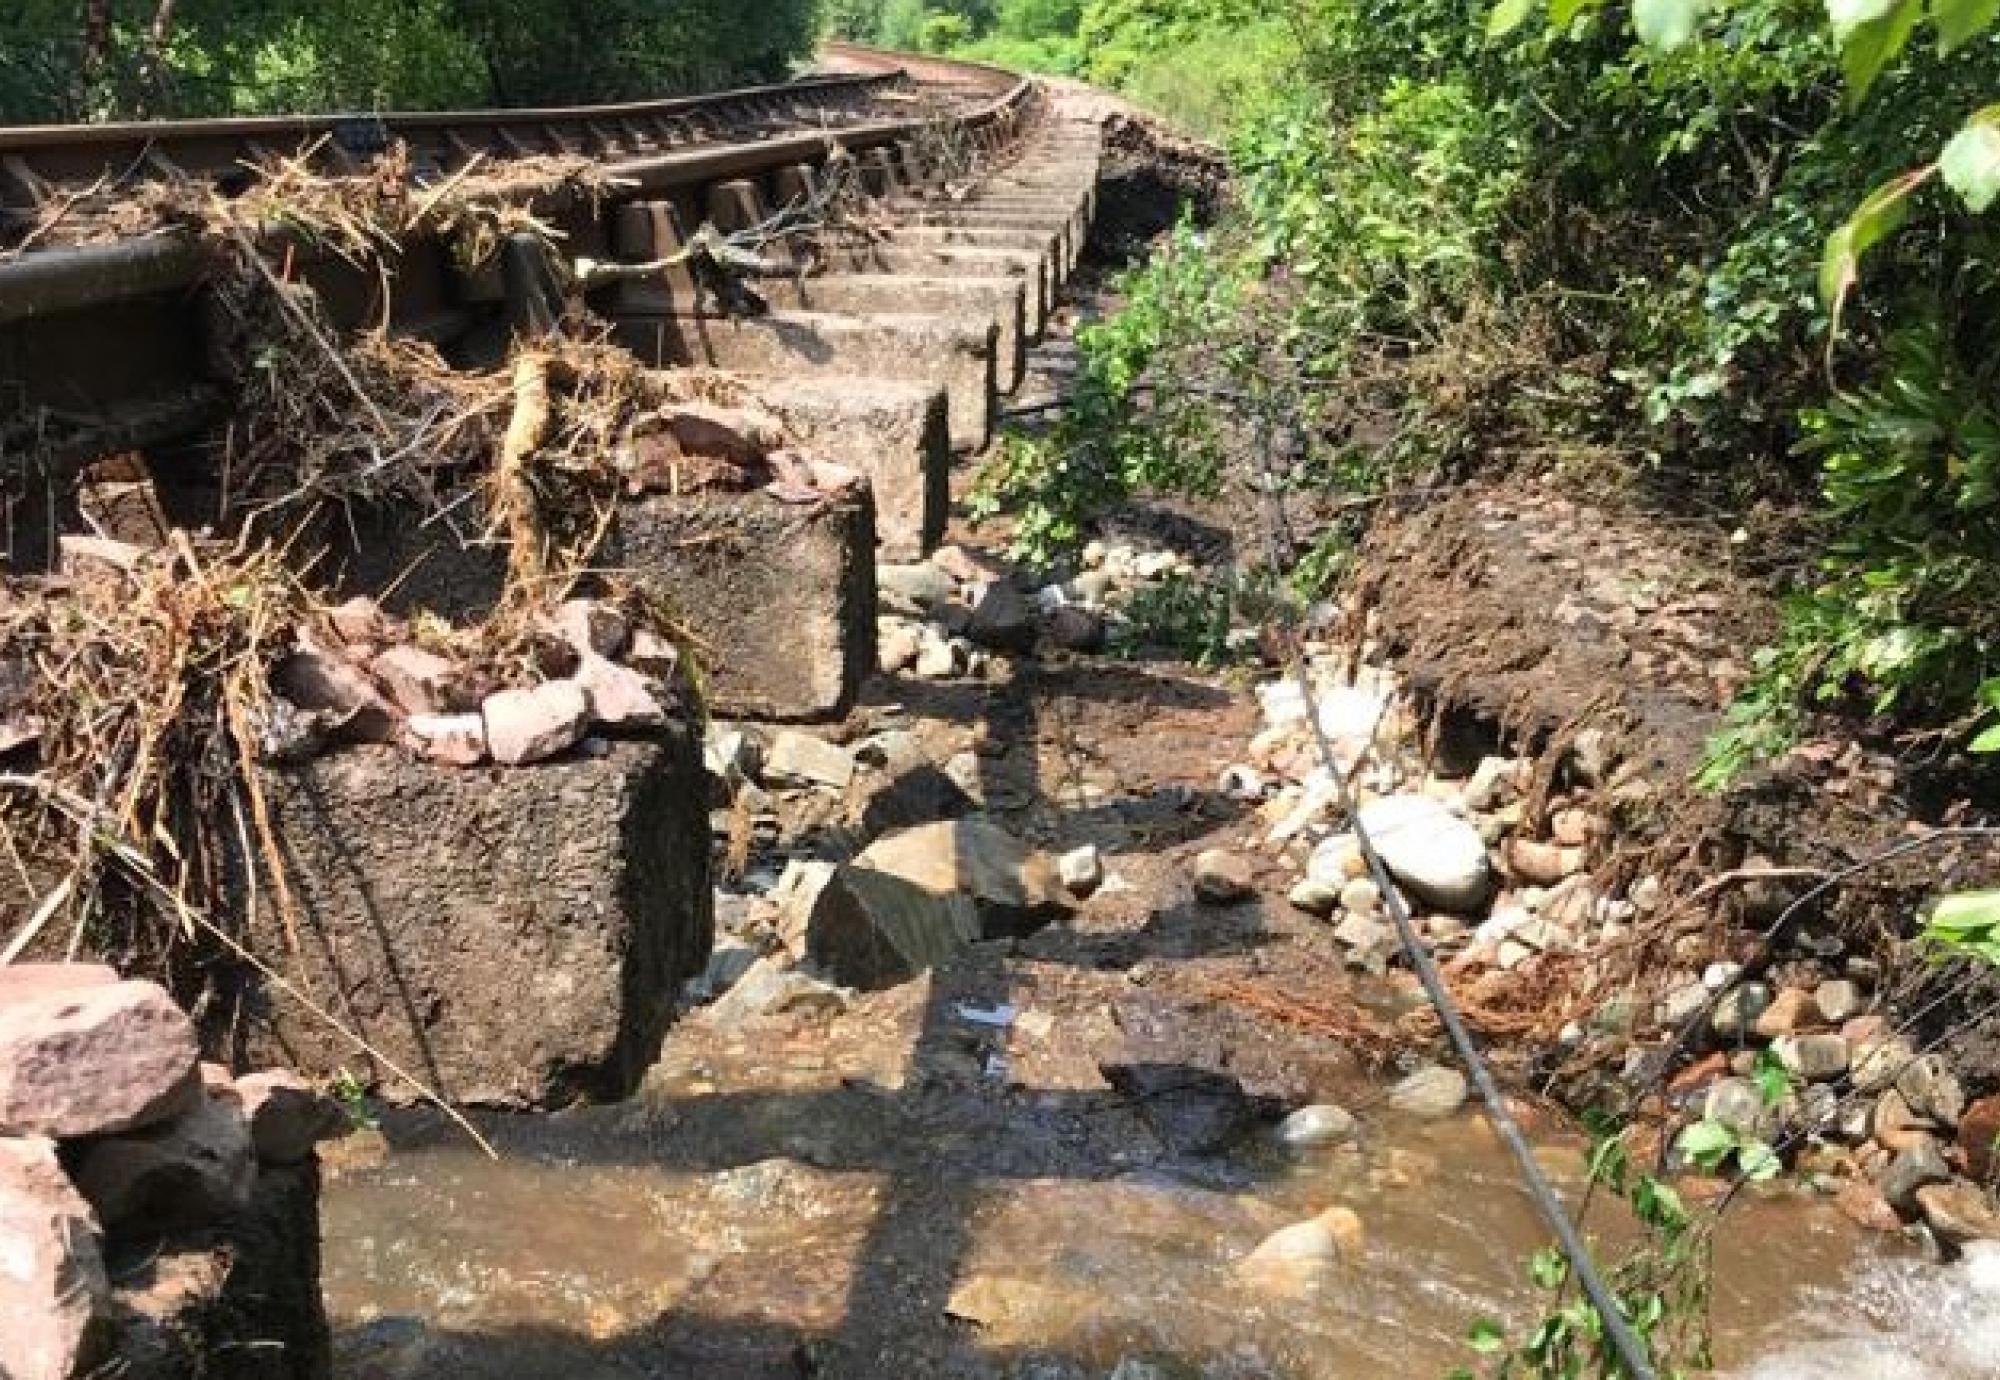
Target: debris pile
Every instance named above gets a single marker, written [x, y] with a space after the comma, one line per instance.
[1616, 980]
[945, 617]
[117, 1144]
[587, 666]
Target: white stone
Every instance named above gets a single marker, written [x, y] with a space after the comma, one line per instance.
[1314, 897]
[1336, 861]
[1081, 870]
[1321, 1123]
[1240, 782]
[1432, 1092]
[458, 740]
[619, 696]
[1437, 855]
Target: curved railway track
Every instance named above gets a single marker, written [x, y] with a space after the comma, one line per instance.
[97, 347]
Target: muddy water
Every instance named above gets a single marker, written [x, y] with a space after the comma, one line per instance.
[571, 1257]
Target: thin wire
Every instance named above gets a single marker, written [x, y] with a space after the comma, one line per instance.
[1632, 1351]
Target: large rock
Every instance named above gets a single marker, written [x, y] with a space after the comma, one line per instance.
[85, 1061]
[1003, 618]
[1437, 855]
[30, 981]
[919, 896]
[53, 1291]
[188, 1172]
[509, 937]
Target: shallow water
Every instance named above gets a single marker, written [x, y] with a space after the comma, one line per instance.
[560, 1261]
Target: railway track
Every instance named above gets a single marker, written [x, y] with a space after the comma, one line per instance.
[886, 347]
[98, 350]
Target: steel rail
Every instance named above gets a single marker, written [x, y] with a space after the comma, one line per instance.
[37, 160]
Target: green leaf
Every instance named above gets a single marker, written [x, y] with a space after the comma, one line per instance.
[1666, 24]
[1758, 1161]
[1547, 1268]
[1869, 48]
[1970, 163]
[1849, 15]
[1486, 1337]
[1961, 21]
[1562, 13]
[1966, 912]
[1879, 215]
[1707, 1143]
[1507, 16]
[1989, 741]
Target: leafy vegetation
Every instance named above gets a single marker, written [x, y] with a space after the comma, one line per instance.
[103, 59]
[1662, 1285]
[1735, 258]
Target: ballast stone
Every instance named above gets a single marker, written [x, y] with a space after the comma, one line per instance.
[94, 1060]
[1437, 855]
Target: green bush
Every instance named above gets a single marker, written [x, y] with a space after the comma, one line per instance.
[250, 56]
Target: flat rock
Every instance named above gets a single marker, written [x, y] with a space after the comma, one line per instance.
[772, 988]
[194, 1170]
[54, 1295]
[620, 697]
[93, 1060]
[918, 896]
[1431, 851]
[524, 726]
[1959, 1212]
[419, 682]
[804, 757]
[31, 981]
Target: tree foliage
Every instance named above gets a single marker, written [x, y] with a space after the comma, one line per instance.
[74, 60]
[1730, 255]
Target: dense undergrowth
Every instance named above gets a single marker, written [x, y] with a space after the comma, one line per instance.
[66, 60]
[1699, 255]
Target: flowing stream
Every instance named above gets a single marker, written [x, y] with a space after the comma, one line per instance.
[574, 1256]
